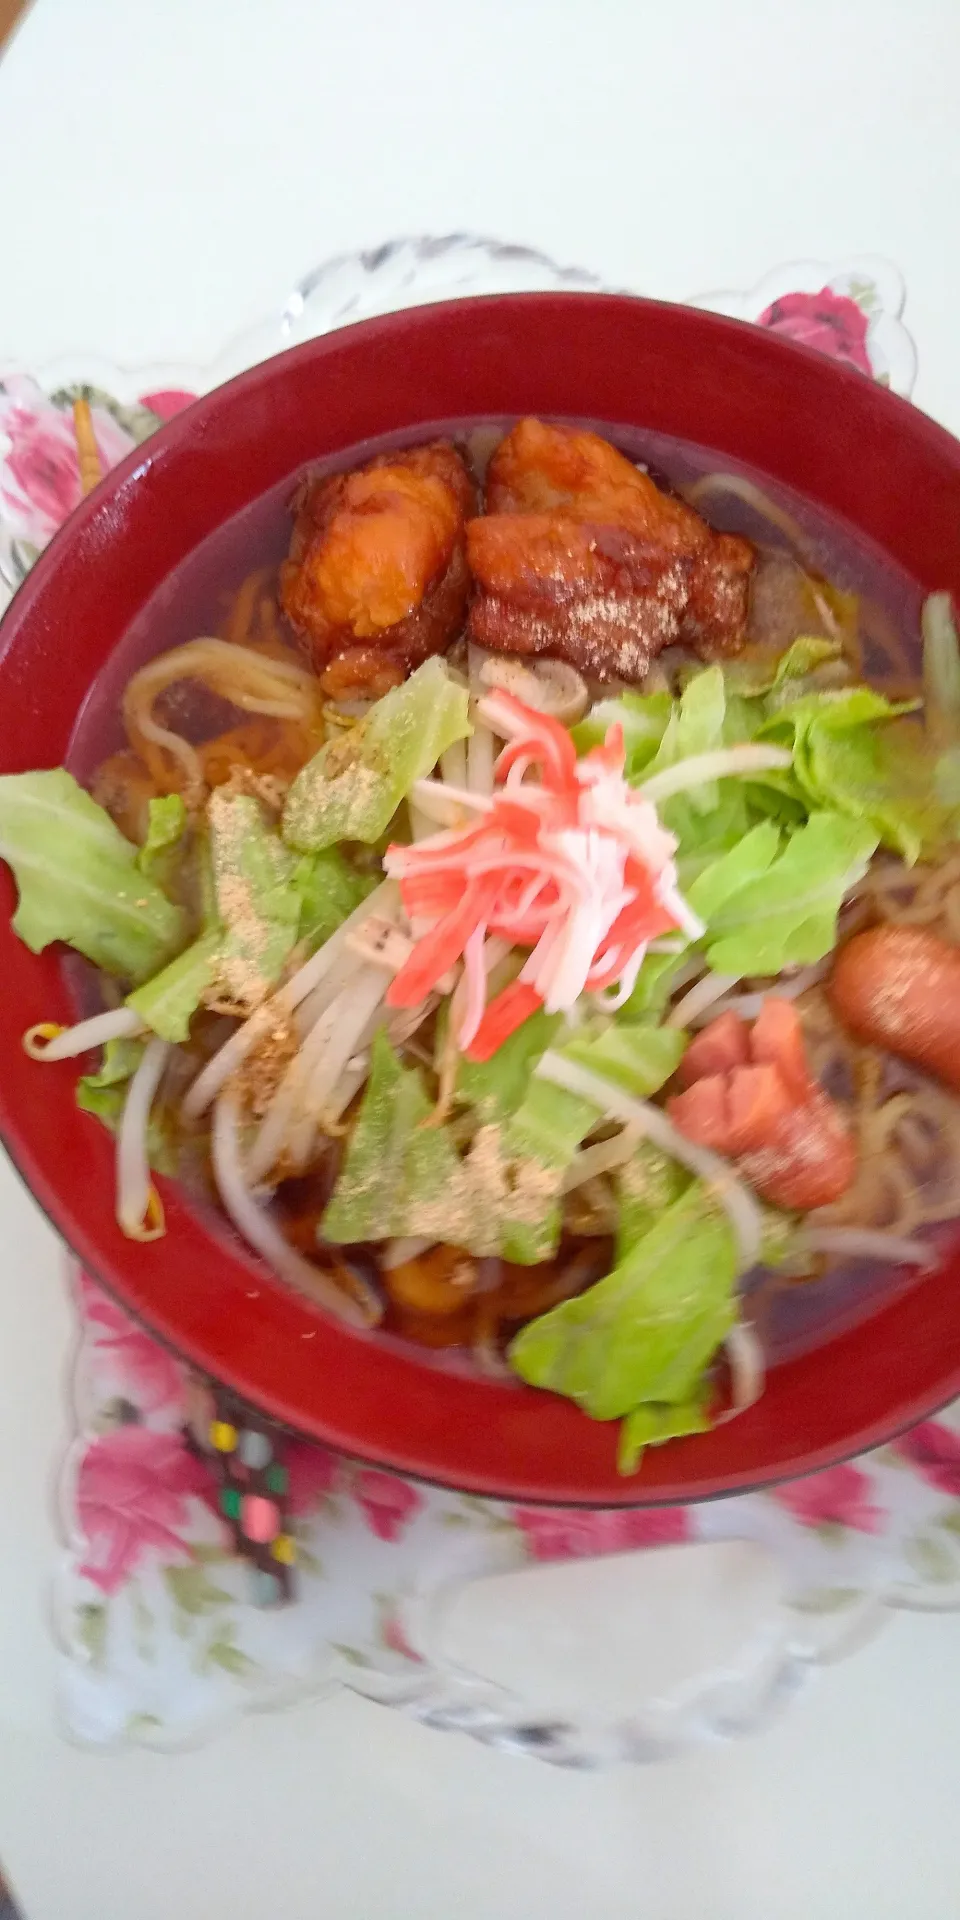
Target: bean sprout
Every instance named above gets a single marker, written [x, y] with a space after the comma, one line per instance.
[699, 768]
[139, 1209]
[256, 1227]
[50, 1042]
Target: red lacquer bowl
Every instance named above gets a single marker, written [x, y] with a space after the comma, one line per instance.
[819, 427]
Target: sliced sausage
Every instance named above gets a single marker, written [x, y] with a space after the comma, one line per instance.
[777, 1041]
[751, 1097]
[758, 1101]
[899, 988]
[701, 1113]
[809, 1159]
[723, 1045]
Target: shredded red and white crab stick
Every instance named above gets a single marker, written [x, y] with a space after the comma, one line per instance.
[572, 864]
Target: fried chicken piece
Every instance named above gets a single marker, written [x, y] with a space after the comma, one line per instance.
[582, 556]
[376, 578]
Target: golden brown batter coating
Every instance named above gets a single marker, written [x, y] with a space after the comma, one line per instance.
[376, 578]
[582, 556]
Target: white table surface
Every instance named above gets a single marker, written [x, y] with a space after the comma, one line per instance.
[170, 168]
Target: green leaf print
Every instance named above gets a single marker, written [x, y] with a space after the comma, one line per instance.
[192, 1592]
[92, 1630]
[225, 1654]
[933, 1558]
[826, 1599]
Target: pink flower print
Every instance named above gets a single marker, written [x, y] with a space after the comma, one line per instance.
[388, 1504]
[39, 469]
[828, 321]
[562, 1533]
[312, 1473]
[167, 402]
[934, 1448]
[394, 1637]
[144, 1372]
[133, 1493]
[839, 1497]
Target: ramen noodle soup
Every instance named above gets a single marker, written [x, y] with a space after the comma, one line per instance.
[510, 877]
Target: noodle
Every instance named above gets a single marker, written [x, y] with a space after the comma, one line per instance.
[252, 681]
[740, 488]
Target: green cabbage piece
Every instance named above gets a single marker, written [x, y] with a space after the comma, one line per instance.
[396, 1172]
[168, 1002]
[496, 1087]
[696, 725]
[783, 912]
[329, 889]
[653, 986]
[79, 880]
[351, 789]
[853, 753]
[637, 1057]
[166, 825]
[655, 1422]
[646, 1185]
[644, 718]
[401, 1177]
[646, 1333]
[752, 677]
[258, 905]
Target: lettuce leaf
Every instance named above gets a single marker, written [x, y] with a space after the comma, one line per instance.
[401, 1177]
[329, 889]
[251, 912]
[78, 878]
[119, 1062]
[635, 1056]
[696, 725]
[259, 901]
[785, 912]
[396, 1172]
[648, 1183]
[166, 826]
[848, 756]
[644, 718]
[351, 789]
[496, 1087]
[533, 1151]
[725, 877]
[761, 674]
[548, 1126]
[653, 987]
[168, 1002]
[884, 775]
[648, 1330]
[650, 1425]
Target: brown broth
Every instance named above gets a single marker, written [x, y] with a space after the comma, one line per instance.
[193, 601]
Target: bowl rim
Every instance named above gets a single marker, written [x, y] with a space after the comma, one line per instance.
[194, 1333]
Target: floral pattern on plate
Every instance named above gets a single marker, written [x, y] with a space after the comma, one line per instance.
[850, 310]
[39, 463]
[162, 1640]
